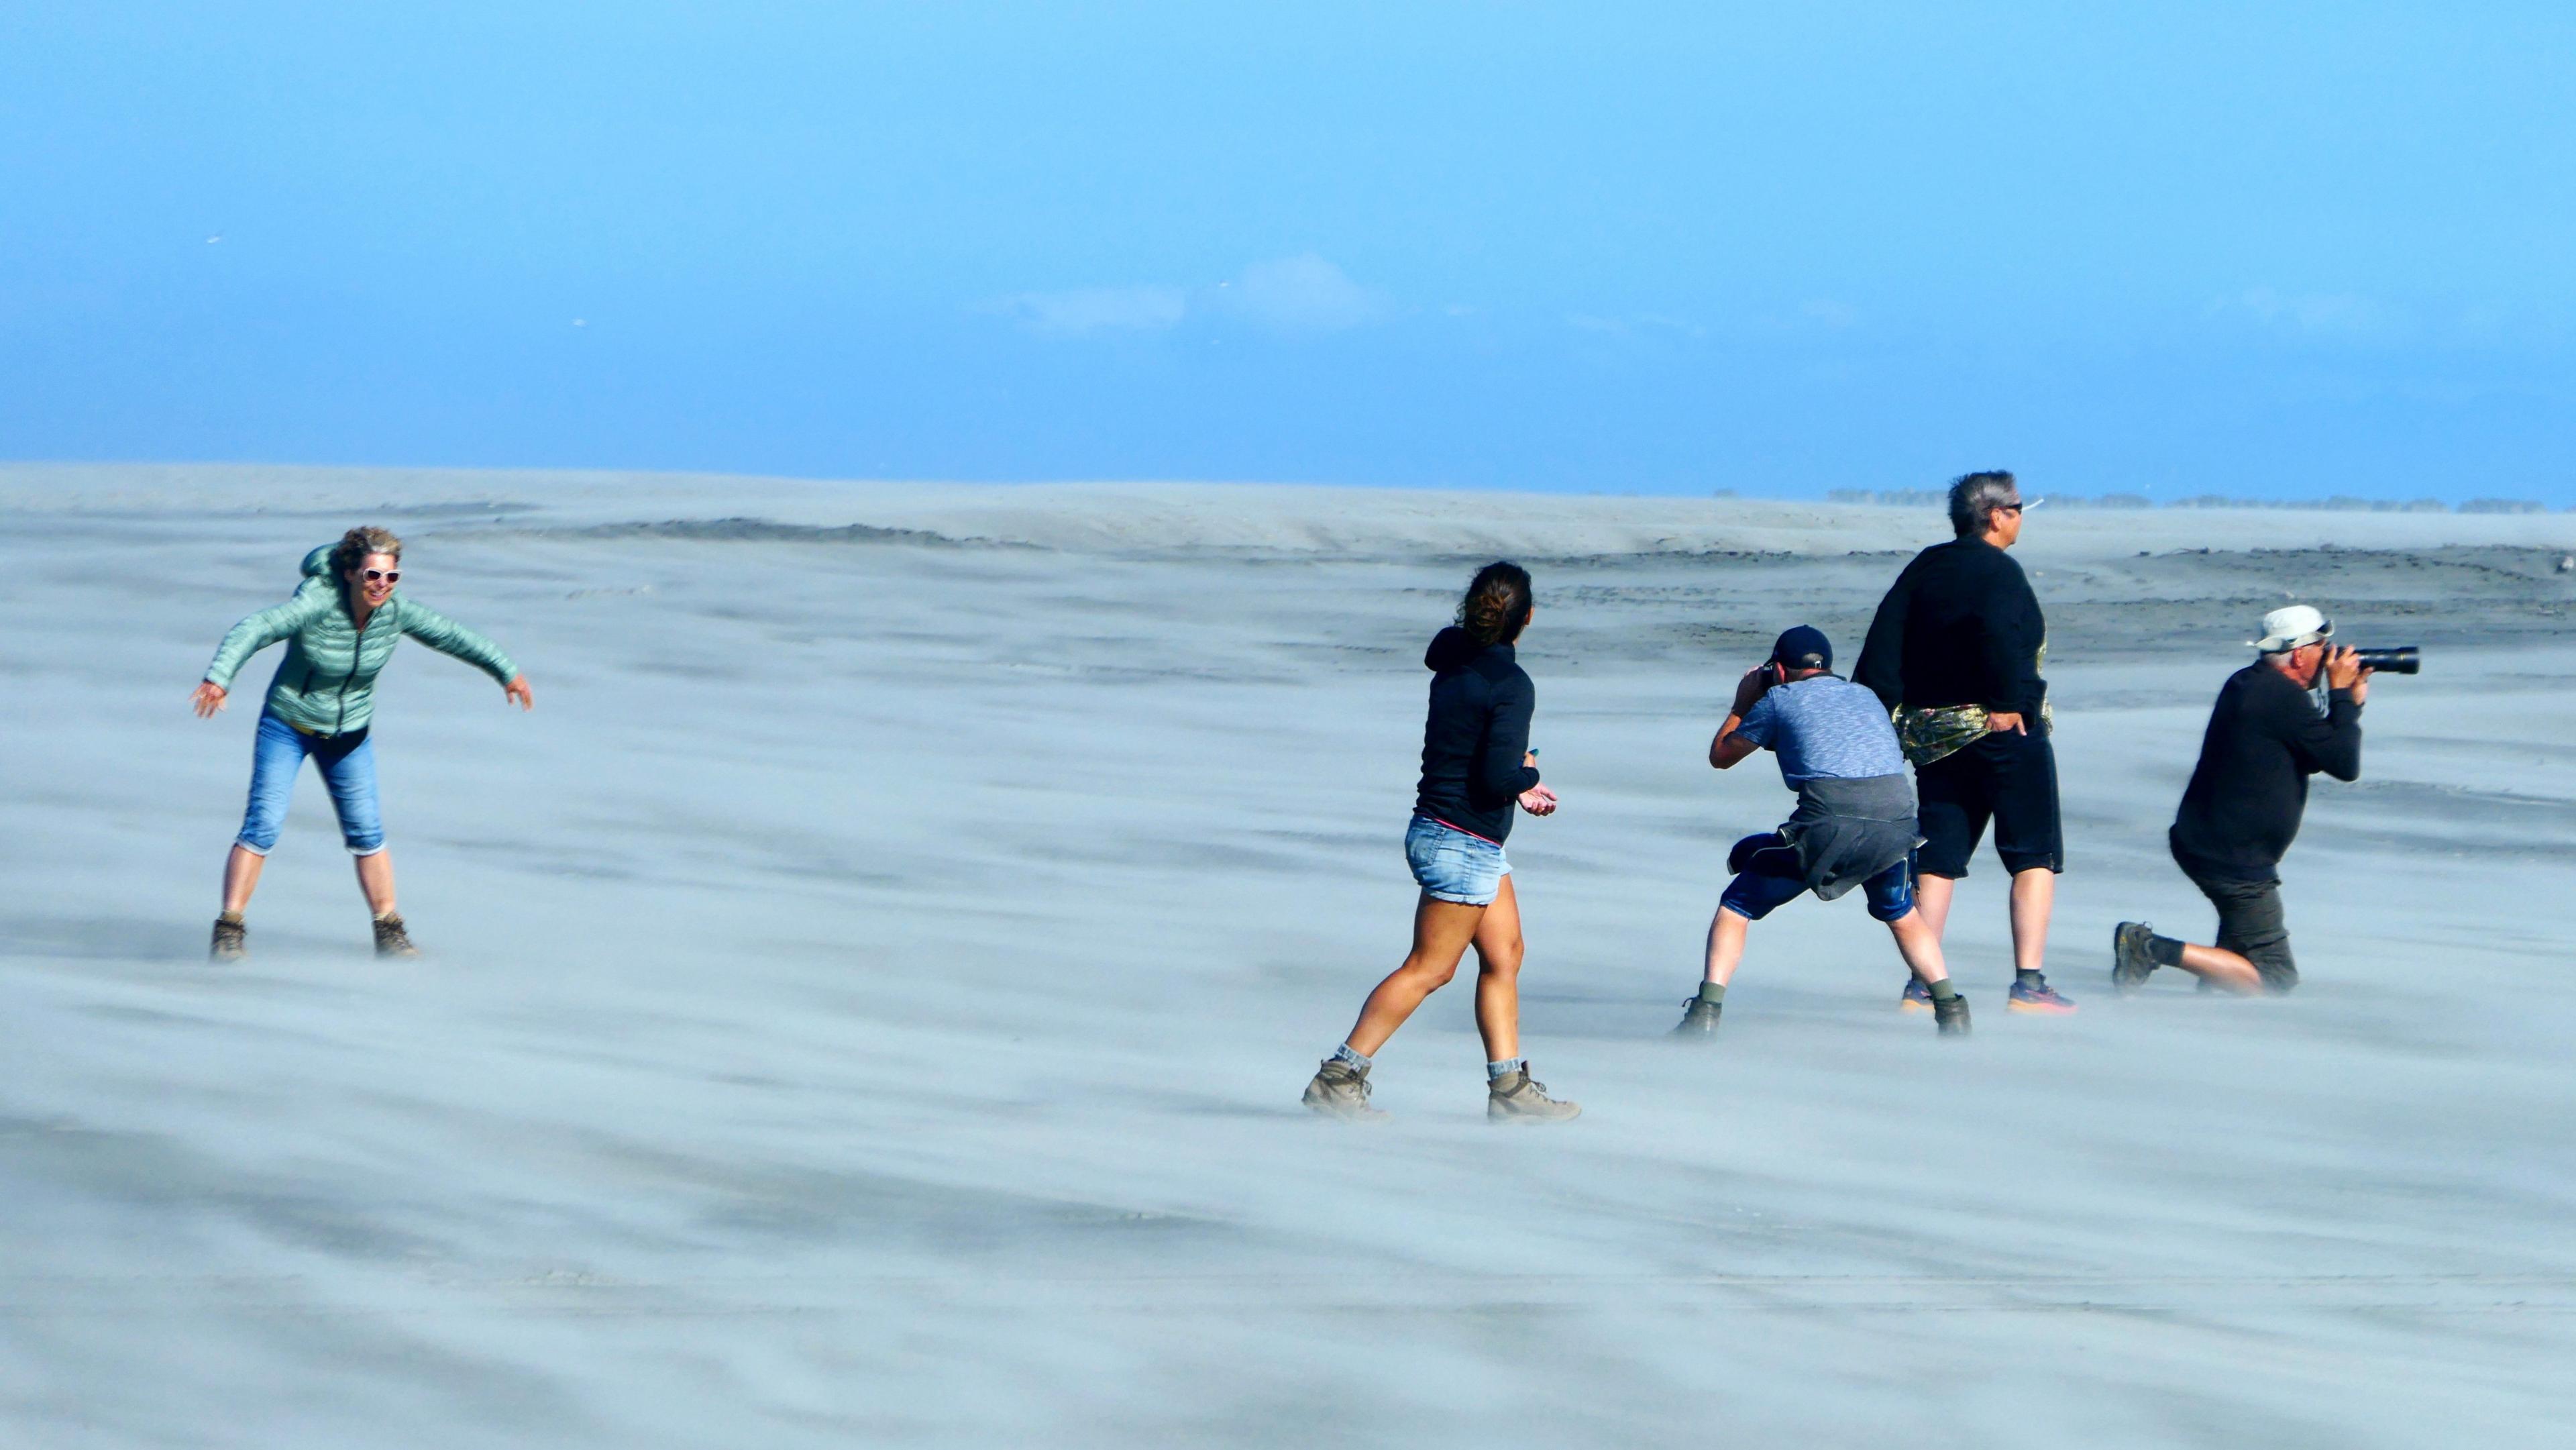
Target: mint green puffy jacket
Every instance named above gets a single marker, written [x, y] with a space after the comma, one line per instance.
[327, 682]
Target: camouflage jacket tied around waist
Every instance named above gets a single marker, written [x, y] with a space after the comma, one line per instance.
[1928, 733]
[1937, 732]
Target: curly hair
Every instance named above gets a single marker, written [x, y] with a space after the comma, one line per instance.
[357, 544]
[1497, 604]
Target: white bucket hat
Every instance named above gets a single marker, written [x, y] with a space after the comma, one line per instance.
[2287, 629]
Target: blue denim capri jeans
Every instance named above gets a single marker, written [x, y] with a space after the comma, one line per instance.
[348, 766]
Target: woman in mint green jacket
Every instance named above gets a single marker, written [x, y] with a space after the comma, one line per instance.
[340, 628]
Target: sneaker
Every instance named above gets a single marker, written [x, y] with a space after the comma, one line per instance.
[2129, 960]
[1917, 998]
[1950, 1015]
[232, 939]
[1341, 1091]
[2037, 996]
[1520, 1098]
[392, 940]
[1699, 1019]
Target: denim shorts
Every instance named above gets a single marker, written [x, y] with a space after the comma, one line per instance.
[348, 767]
[1453, 865]
[1770, 880]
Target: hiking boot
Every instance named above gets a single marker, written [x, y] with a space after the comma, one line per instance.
[2129, 960]
[1341, 1091]
[2037, 996]
[1699, 1019]
[1917, 998]
[232, 939]
[1516, 1097]
[1950, 1015]
[392, 940]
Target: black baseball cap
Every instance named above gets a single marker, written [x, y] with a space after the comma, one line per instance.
[1803, 648]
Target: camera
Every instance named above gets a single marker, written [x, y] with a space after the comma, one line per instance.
[2396, 660]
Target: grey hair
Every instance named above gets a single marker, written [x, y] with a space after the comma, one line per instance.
[1975, 496]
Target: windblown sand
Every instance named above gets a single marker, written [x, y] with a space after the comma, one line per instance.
[865, 1004]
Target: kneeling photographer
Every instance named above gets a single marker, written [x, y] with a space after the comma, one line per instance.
[2266, 736]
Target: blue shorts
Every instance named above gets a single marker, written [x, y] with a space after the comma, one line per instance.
[1770, 879]
[348, 766]
[1453, 865]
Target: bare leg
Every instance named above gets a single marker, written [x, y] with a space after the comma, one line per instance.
[1498, 975]
[2034, 894]
[1441, 931]
[1932, 902]
[2222, 968]
[376, 878]
[1920, 945]
[1726, 932]
[241, 877]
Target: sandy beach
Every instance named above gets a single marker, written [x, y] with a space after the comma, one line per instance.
[865, 1002]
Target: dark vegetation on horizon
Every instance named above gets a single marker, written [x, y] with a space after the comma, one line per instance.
[2340, 503]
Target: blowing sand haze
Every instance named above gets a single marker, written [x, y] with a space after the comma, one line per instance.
[866, 1003]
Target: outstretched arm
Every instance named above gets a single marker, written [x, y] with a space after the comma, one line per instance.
[277, 622]
[450, 638]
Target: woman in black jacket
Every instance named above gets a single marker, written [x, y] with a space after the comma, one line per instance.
[1476, 767]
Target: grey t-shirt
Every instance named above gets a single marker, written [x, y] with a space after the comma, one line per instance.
[1824, 728]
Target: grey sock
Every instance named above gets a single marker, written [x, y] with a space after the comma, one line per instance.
[1943, 991]
[1344, 1053]
[1713, 993]
[2025, 977]
[2164, 951]
[1497, 1071]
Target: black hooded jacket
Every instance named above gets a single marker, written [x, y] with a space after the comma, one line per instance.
[1476, 735]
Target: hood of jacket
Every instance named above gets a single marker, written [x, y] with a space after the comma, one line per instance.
[1453, 649]
[317, 565]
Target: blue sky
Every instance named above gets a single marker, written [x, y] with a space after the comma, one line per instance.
[2281, 250]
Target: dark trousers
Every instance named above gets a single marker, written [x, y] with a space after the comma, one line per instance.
[2250, 923]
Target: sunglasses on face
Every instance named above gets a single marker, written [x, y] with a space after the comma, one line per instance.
[2008, 508]
[390, 576]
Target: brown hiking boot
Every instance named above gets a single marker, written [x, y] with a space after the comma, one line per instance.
[1342, 1091]
[232, 939]
[392, 940]
[1951, 1015]
[1519, 1098]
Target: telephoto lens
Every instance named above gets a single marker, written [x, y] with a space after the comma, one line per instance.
[2400, 660]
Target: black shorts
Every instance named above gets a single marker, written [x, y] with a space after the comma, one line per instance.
[2010, 779]
[2250, 924]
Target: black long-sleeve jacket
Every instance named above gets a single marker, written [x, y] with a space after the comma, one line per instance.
[1476, 735]
[2265, 738]
[1959, 627]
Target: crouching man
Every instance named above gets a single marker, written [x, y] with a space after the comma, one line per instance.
[1854, 824]
[2265, 738]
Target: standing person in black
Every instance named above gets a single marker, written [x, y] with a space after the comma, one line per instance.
[1477, 767]
[1955, 652]
[2242, 808]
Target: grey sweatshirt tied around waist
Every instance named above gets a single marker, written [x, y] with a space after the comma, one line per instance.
[1846, 831]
